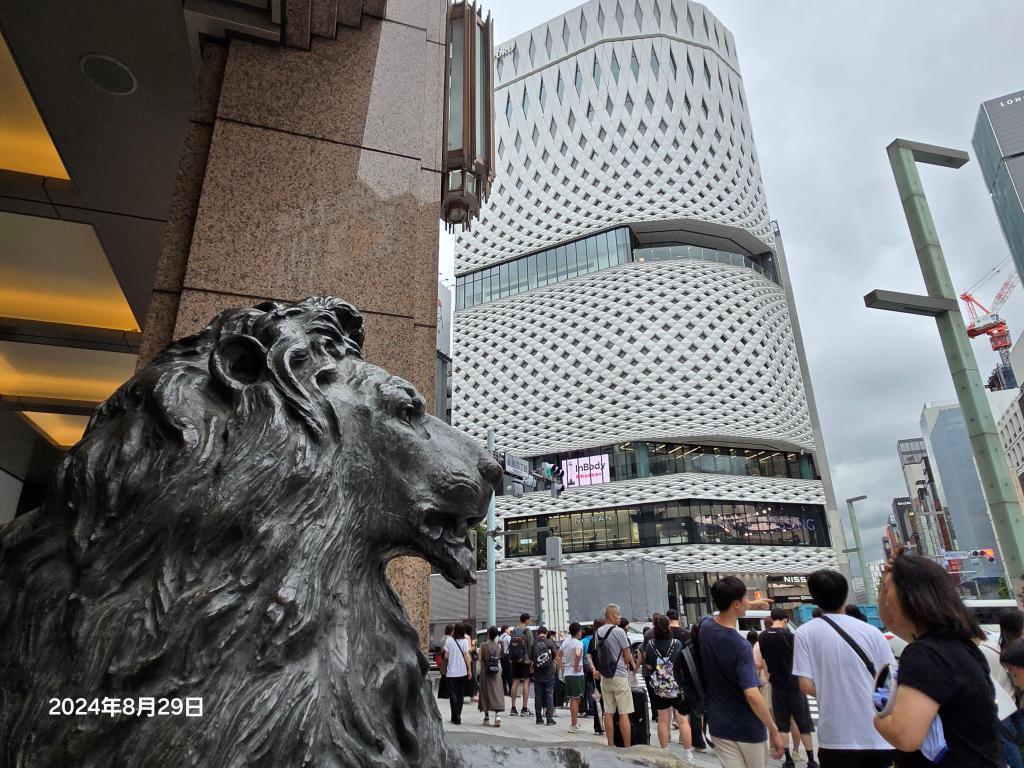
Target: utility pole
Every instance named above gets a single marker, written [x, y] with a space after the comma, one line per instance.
[941, 304]
[492, 604]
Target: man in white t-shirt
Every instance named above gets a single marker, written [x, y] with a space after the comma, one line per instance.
[831, 669]
[504, 639]
[570, 657]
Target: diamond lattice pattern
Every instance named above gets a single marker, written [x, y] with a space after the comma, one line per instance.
[676, 351]
[654, 127]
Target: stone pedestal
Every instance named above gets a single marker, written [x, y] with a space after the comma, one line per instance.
[313, 168]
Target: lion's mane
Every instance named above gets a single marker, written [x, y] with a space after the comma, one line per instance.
[199, 541]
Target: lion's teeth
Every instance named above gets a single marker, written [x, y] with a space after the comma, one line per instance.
[432, 532]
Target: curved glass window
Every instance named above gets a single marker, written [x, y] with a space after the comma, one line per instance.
[686, 521]
[600, 251]
[764, 264]
[627, 461]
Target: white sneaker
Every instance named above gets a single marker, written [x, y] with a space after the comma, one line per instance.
[688, 757]
[575, 728]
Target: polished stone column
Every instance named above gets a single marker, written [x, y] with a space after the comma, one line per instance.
[313, 168]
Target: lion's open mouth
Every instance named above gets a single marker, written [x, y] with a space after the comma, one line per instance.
[448, 545]
[450, 527]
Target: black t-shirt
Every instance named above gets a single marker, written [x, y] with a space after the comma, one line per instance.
[956, 676]
[777, 652]
[681, 634]
[540, 647]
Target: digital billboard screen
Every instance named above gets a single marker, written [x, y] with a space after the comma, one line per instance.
[588, 470]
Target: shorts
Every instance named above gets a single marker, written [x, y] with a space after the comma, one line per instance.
[574, 686]
[789, 703]
[617, 695]
[521, 670]
[678, 704]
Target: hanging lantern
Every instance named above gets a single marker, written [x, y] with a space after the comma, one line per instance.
[468, 141]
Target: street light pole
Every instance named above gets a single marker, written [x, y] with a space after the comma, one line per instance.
[941, 304]
[492, 606]
[869, 587]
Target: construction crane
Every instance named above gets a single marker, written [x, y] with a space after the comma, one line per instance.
[986, 320]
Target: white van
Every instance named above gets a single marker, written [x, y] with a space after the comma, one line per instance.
[987, 612]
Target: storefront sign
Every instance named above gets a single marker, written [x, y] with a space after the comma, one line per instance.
[516, 466]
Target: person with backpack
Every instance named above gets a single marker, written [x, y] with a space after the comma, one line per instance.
[542, 658]
[615, 664]
[492, 695]
[570, 660]
[836, 659]
[519, 645]
[738, 716]
[662, 652]
[789, 705]
[695, 725]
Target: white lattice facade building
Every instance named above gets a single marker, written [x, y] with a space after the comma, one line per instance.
[622, 298]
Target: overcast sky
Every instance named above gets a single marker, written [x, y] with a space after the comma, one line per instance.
[829, 84]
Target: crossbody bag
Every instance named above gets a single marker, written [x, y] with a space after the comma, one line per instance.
[853, 644]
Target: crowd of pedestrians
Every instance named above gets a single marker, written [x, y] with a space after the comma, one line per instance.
[953, 699]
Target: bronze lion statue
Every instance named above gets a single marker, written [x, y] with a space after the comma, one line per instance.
[221, 532]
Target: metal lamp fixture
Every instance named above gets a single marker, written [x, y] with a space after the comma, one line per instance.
[468, 140]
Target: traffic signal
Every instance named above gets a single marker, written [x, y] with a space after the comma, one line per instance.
[988, 554]
[553, 473]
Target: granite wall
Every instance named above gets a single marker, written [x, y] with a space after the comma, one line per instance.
[313, 168]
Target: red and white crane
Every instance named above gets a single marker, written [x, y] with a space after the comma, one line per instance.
[986, 320]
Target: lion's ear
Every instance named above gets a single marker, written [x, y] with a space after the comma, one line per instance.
[238, 361]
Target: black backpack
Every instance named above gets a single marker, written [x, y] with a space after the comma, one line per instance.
[542, 656]
[690, 674]
[517, 646]
[494, 660]
[607, 662]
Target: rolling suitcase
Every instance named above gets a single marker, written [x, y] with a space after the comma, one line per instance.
[639, 721]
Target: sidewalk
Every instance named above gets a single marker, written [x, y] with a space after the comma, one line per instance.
[526, 729]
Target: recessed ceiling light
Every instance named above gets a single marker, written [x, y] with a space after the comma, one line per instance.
[108, 74]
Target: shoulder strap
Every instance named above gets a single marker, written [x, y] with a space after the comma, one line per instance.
[853, 644]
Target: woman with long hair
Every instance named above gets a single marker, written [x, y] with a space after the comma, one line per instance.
[664, 647]
[941, 672]
[492, 694]
[456, 670]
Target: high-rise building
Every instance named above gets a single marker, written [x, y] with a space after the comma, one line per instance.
[900, 520]
[999, 145]
[959, 487]
[623, 309]
[926, 524]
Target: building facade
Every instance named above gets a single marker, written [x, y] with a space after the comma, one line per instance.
[999, 145]
[623, 309]
[175, 161]
[925, 523]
